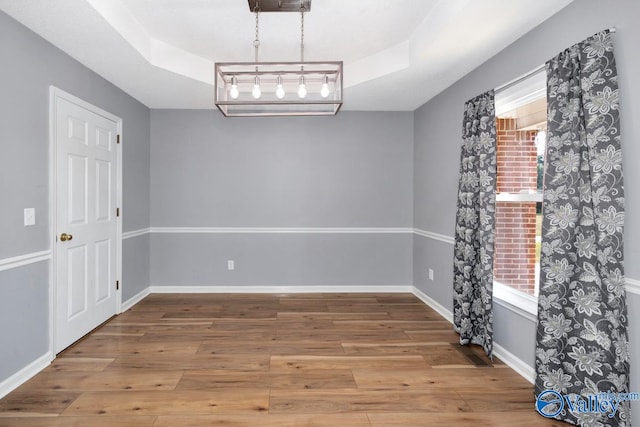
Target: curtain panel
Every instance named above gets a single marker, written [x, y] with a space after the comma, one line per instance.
[475, 218]
[582, 343]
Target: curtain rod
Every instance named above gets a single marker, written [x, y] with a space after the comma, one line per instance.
[517, 80]
[529, 74]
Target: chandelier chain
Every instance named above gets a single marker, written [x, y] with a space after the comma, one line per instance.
[256, 42]
[301, 30]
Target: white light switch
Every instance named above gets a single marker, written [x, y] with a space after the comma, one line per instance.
[430, 274]
[29, 216]
[231, 265]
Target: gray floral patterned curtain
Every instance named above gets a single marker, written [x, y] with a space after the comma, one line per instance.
[475, 218]
[582, 345]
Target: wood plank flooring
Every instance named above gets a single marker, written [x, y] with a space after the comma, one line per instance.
[349, 360]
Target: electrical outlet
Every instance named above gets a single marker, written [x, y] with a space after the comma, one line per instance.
[231, 265]
[29, 216]
[430, 274]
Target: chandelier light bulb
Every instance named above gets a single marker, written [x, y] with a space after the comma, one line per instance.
[324, 92]
[279, 89]
[256, 92]
[302, 89]
[234, 92]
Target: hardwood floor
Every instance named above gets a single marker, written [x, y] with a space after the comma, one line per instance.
[274, 360]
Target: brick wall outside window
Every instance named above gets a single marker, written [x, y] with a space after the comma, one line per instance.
[515, 234]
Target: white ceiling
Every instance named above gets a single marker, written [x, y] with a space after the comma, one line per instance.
[398, 54]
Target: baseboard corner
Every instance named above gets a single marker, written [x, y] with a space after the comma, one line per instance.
[511, 360]
[25, 374]
[442, 310]
[135, 299]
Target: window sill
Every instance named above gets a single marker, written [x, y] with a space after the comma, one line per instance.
[525, 196]
[524, 304]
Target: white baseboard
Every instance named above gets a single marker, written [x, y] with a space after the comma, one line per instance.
[135, 299]
[442, 310]
[237, 289]
[526, 371]
[24, 374]
[522, 368]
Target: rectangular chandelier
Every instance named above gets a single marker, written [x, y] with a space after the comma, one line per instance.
[246, 89]
[255, 89]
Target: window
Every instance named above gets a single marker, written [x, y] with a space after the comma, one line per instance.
[521, 117]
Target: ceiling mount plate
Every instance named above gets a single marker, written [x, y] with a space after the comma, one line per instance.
[280, 5]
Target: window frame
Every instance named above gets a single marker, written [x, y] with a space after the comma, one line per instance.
[521, 90]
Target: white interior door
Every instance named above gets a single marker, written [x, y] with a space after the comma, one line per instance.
[86, 244]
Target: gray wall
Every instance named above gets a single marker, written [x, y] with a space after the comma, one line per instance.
[437, 149]
[353, 170]
[136, 255]
[29, 66]
[24, 316]
[438, 256]
[281, 259]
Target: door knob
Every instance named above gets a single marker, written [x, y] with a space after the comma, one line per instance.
[64, 237]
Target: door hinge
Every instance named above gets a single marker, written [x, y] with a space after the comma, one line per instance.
[117, 211]
[117, 139]
[117, 285]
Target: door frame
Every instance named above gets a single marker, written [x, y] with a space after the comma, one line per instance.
[54, 94]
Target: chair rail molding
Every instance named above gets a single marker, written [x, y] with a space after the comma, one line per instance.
[632, 286]
[135, 233]
[434, 236]
[26, 259]
[285, 230]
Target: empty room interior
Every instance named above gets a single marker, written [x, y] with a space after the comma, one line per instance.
[319, 213]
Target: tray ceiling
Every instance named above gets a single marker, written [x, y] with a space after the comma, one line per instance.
[398, 54]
